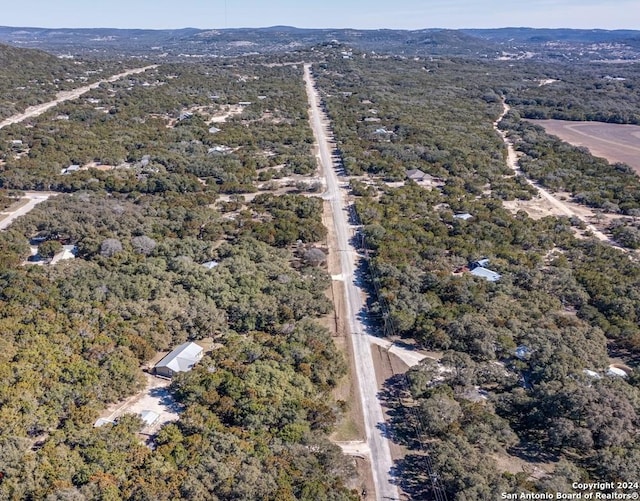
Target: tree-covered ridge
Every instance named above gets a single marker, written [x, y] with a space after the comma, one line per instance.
[485, 410]
[29, 77]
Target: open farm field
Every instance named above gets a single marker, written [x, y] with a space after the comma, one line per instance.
[615, 142]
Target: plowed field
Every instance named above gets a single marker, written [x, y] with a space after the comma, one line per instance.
[616, 143]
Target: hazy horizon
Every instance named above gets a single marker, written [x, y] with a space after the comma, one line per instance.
[310, 28]
[329, 14]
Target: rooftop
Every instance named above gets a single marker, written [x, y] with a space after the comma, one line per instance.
[183, 358]
[485, 273]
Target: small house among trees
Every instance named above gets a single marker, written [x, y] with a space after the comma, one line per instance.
[181, 359]
[478, 269]
[416, 175]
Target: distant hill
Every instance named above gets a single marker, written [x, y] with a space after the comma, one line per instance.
[515, 43]
[543, 35]
[13, 58]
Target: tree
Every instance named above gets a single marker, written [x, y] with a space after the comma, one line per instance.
[314, 257]
[110, 247]
[440, 412]
[49, 249]
[143, 244]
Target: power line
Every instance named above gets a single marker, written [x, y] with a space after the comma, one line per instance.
[416, 418]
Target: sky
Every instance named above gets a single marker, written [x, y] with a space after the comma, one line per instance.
[363, 14]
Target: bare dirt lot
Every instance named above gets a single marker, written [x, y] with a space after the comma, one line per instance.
[539, 207]
[615, 142]
[155, 397]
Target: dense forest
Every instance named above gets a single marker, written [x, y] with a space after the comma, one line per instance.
[256, 411]
[601, 92]
[154, 131]
[522, 379]
[159, 173]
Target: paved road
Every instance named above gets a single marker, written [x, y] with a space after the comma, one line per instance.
[34, 111]
[34, 198]
[381, 461]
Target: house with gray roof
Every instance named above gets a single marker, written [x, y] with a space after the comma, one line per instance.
[181, 359]
[102, 421]
[70, 169]
[416, 175]
[149, 417]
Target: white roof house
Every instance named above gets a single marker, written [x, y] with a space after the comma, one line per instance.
[478, 269]
[616, 372]
[102, 421]
[485, 273]
[590, 373]
[480, 262]
[71, 168]
[181, 359]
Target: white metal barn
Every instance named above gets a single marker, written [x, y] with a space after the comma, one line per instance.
[181, 359]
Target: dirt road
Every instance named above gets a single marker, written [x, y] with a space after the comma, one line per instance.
[34, 111]
[378, 445]
[562, 208]
[33, 198]
[406, 355]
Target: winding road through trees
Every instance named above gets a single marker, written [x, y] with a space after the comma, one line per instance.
[378, 445]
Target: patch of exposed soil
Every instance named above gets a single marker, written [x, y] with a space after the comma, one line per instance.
[514, 465]
[614, 142]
